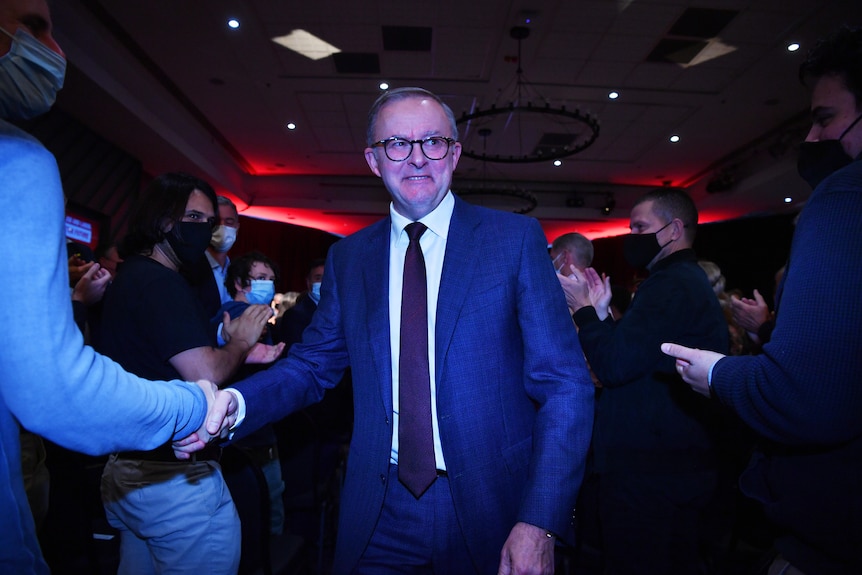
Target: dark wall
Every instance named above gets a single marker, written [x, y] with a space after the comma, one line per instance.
[291, 247]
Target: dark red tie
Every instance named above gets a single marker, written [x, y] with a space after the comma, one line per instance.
[417, 468]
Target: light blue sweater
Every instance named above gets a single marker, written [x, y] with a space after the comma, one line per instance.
[50, 381]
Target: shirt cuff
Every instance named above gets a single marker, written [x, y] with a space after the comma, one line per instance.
[240, 410]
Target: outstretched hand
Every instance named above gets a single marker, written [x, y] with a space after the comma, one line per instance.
[221, 415]
[693, 365]
[263, 353]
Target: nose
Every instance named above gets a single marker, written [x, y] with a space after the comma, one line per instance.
[813, 134]
[51, 43]
[417, 156]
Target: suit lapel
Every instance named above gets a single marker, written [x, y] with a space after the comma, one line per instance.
[375, 280]
[459, 267]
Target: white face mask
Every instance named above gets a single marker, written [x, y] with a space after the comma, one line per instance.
[223, 238]
[31, 74]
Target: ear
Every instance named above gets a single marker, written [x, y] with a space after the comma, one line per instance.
[456, 154]
[371, 160]
[238, 285]
[678, 229]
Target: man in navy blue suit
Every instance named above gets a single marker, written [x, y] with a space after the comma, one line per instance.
[511, 397]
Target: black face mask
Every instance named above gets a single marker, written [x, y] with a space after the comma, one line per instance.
[189, 240]
[819, 160]
[640, 249]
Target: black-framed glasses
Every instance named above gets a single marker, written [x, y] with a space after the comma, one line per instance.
[398, 149]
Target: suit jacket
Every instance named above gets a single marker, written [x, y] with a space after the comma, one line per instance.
[514, 397]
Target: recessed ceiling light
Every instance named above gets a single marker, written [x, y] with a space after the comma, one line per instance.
[614, 95]
[291, 126]
[384, 86]
[307, 44]
[788, 199]
[233, 23]
[674, 139]
[793, 47]
[558, 163]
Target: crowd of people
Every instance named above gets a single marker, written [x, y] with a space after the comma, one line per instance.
[483, 390]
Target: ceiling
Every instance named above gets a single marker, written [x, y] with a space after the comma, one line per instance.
[173, 85]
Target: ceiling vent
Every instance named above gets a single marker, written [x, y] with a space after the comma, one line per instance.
[690, 35]
[407, 38]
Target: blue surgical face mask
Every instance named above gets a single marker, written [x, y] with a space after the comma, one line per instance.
[262, 292]
[31, 74]
[315, 292]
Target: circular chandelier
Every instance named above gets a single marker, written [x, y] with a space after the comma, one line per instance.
[558, 132]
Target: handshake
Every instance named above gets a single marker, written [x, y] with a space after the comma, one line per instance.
[221, 415]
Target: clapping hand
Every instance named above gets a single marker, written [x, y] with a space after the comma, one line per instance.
[248, 326]
[749, 314]
[221, 415]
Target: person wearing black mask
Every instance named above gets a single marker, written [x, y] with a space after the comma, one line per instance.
[178, 515]
[653, 440]
[802, 394]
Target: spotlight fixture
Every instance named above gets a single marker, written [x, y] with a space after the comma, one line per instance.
[610, 204]
[614, 95]
[793, 47]
[233, 23]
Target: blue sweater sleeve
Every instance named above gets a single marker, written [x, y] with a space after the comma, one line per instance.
[804, 388]
[51, 382]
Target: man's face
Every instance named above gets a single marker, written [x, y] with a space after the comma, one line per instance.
[314, 276]
[228, 216]
[258, 271]
[644, 220]
[199, 208]
[33, 16]
[833, 109]
[417, 184]
[561, 259]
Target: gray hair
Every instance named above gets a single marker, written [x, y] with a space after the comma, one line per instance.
[398, 94]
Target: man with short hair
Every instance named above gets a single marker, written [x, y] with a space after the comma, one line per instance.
[482, 472]
[49, 381]
[653, 443]
[572, 249]
[802, 394]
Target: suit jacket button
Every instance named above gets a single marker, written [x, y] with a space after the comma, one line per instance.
[382, 478]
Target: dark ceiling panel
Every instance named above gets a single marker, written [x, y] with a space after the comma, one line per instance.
[407, 38]
[702, 22]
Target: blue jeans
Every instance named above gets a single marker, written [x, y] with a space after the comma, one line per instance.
[173, 518]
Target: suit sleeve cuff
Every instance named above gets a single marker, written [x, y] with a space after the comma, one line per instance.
[240, 410]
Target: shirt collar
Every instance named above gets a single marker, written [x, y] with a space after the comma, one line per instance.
[437, 220]
[214, 262]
